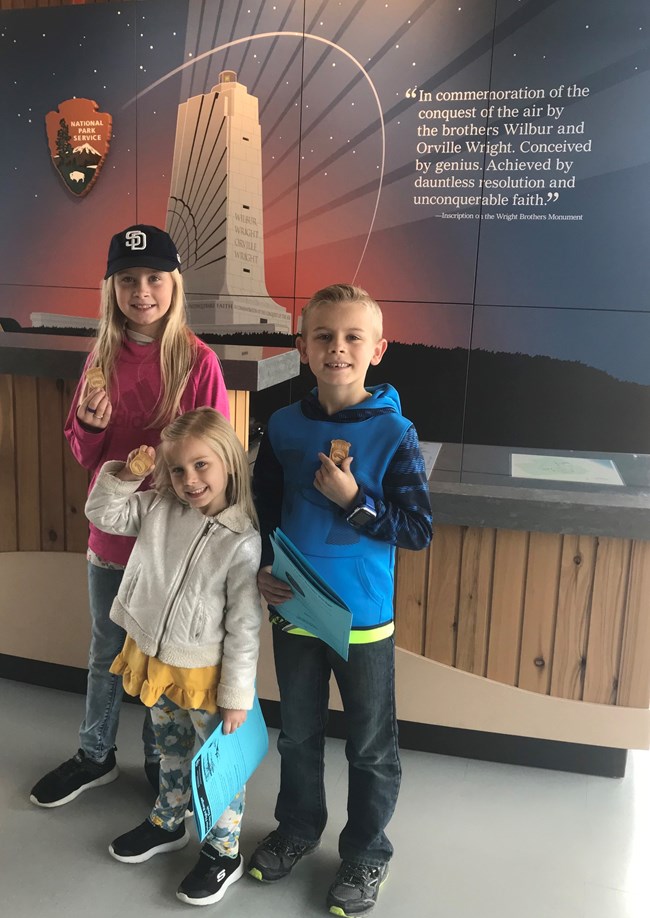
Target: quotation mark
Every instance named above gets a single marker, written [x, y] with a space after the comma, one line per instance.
[411, 93]
[552, 196]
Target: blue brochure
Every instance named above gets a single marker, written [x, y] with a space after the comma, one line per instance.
[314, 605]
[223, 765]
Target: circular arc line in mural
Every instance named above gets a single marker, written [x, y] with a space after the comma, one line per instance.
[302, 35]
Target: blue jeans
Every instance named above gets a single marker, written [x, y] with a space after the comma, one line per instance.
[104, 690]
[367, 686]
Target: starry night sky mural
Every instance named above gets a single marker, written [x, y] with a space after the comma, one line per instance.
[347, 91]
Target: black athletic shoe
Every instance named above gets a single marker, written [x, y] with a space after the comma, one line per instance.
[355, 889]
[210, 877]
[276, 856]
[72, 778]
[145, 840]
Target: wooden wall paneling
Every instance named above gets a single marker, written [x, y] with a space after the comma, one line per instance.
[442, 594]
[8, 509]
[574, 606]
[540, 610]
[609, 596]
[243, 414]
[475, 596]
[411, 573]
[239, 404]
[504, 641]
[634, 681]
[76, 479]
[27, 463]
[50, 422]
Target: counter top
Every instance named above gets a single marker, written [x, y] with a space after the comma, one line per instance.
[251, 368]
[472, 485]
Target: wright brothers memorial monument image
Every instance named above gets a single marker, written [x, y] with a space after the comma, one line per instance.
[215, 210]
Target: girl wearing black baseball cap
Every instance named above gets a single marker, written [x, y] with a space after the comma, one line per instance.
[147, 368]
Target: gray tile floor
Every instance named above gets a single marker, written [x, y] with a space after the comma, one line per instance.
[472, 839]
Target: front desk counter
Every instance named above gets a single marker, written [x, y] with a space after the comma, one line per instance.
[524, 630]
[44, 622]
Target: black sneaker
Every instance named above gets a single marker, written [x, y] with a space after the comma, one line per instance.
[72, 778]
[276, 856]
[210, 877]
[355, 889]
[145, 840]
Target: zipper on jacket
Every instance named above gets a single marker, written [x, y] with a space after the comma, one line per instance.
[195, 550]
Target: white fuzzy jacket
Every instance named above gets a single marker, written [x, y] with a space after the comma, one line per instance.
[189, 593]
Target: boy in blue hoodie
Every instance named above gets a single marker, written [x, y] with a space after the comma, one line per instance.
[347, 516]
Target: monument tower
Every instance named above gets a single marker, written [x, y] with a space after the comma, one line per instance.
[215, 215]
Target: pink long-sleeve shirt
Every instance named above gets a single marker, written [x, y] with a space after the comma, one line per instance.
[135, 390]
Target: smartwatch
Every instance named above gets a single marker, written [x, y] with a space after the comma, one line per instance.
[363, 512]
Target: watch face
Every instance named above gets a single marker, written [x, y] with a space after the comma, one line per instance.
[361, 516]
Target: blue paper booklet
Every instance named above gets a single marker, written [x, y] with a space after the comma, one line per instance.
[314, 605]
[223, 765]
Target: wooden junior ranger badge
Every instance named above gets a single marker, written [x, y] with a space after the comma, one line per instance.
[95, 378]
[339, 451]
[141, 463]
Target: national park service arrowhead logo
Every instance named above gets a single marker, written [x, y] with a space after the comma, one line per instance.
[78, 137]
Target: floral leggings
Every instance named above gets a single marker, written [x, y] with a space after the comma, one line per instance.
[176, 730]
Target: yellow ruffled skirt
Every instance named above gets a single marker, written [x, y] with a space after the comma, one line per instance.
[147, 678]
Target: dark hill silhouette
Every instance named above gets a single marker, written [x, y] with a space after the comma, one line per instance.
[512, 399]
[519, 400]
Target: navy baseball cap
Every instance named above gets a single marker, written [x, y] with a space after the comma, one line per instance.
[142, 246]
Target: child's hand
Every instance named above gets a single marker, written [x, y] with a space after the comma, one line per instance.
[232, 719]
[127, 473]
[273, 590]
[94, 409]
[336, 483]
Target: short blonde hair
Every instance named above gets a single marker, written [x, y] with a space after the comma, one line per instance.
[343, 294]
[211, 426]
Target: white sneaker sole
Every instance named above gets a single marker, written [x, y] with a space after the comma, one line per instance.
[146, 855]
[210, 900]
[108, 778]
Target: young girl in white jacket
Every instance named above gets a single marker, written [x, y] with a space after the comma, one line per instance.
[190, 605]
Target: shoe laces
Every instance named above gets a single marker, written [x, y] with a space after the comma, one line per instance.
[281, 846]
[357, 874]
[71, 765]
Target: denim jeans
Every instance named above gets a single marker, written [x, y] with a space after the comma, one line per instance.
[367, 686]
[104, 690]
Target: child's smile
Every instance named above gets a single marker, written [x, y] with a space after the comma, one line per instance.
[197, 474]
[144, 297]
[339, 344]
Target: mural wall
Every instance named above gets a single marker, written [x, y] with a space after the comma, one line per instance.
[481, 167]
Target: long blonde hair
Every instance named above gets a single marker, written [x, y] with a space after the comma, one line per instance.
[178, 346]
[210, 426]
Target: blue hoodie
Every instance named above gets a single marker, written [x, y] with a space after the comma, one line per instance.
[357, 567]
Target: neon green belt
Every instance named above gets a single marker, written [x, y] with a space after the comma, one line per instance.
[357, 635]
